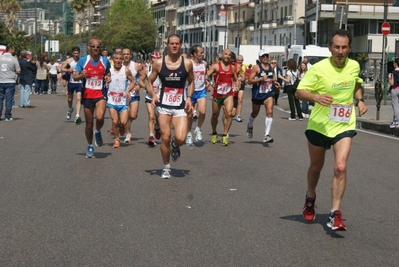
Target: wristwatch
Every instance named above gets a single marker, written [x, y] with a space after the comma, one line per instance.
[358, 100]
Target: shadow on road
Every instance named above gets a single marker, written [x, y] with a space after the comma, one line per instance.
[320, 219]
[177, 173]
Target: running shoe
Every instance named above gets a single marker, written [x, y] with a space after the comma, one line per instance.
[165, 172]
[78, 120]
[189, 139]
[175, 153]
[151, 141]
[198, 134]
[111, 131]
[393, 124]
[308, 212]
[69, 113]
[238, 118]
[195, 116]
[9, 119]
[117, 143]
[268, 139]
[291, 119]
[121, 130]
[335, 221]
[98, 140]
[157, 133]
[90, 152]
[214, 138]
[225, 140]
[249, 131]
[128, 138]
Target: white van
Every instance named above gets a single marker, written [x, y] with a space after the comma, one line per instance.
[312, 52]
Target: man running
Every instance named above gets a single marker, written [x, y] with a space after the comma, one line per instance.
[73, 86]
[93, 69]
[262, 79]
[152, 119]
[199, 97]
[172, 107]
[118, 93]
[225, 75]
[139, 72]
[241, 69]
[332, 84]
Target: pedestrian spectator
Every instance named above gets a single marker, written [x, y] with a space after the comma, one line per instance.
[53, 72]
[305, 104]
[276, 86]
[26, 79]
[9, 70]
[332, 121]
[41, 76]
[289, 79]
[394, 83]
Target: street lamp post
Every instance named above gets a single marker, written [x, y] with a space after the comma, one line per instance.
[261, 22]
[239, 27]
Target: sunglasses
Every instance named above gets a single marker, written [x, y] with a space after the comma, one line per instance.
[95, 47]
[265, 55]
[273, 62]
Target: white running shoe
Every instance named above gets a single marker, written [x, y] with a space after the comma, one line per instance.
[128, 138]
[198, 134]
[189, 139]
[165, 172]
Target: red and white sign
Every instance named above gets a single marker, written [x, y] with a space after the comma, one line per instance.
[385, 28]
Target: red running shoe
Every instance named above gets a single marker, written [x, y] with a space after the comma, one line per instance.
[151, 141]
[335, 221]
[308, 209]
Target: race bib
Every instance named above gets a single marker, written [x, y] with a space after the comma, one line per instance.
[340, 113]
[223, 89]
[172, 96]
[265, 86]
[94, 84]
[199, 76]
[115, 98]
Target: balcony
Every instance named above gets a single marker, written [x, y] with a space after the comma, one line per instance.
[170, 7]
[250, 27]
[265, 26]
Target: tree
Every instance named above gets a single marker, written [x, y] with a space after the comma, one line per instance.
[135, 29]
[11, 8]
[17, 38]
[80, 7]
[362, 58]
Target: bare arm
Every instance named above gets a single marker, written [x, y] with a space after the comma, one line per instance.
[252, 77]
[142, 77]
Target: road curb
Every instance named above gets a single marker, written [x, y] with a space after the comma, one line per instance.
[381, 127]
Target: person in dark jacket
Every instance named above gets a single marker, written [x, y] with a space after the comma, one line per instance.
[276, 87]
[26, 79]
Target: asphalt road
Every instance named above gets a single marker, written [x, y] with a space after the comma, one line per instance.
[239, 205]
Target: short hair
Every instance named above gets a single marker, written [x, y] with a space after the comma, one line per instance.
[396, 61]
[118, 48]
[342, 33]
[24, 54]
[75, 48]
[194, 49]
[117, 53]
[174, 35]
[9, 47]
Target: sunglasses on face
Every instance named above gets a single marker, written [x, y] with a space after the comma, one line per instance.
[95, 47]
[273, 62]
[265, 55]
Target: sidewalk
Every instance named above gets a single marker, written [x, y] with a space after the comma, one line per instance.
[369, 120]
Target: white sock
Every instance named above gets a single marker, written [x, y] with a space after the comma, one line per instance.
[268, 125]
[250, 121]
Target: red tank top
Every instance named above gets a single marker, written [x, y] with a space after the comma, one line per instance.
[223, 82]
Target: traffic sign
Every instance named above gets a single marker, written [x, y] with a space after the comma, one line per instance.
[385, 28]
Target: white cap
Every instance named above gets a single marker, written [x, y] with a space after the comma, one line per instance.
[262, 52]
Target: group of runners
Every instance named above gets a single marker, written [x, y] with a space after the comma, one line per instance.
[175, 84]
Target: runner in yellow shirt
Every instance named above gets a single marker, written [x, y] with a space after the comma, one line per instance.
[332, 84]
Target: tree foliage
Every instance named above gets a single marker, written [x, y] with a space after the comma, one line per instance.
[11, 9]
[130, 24]
[16, 38]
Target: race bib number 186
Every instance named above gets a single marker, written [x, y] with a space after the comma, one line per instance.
[340, 113]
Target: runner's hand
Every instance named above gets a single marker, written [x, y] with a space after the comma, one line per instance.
[155, 99]
[324, 100]
[362, 107]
